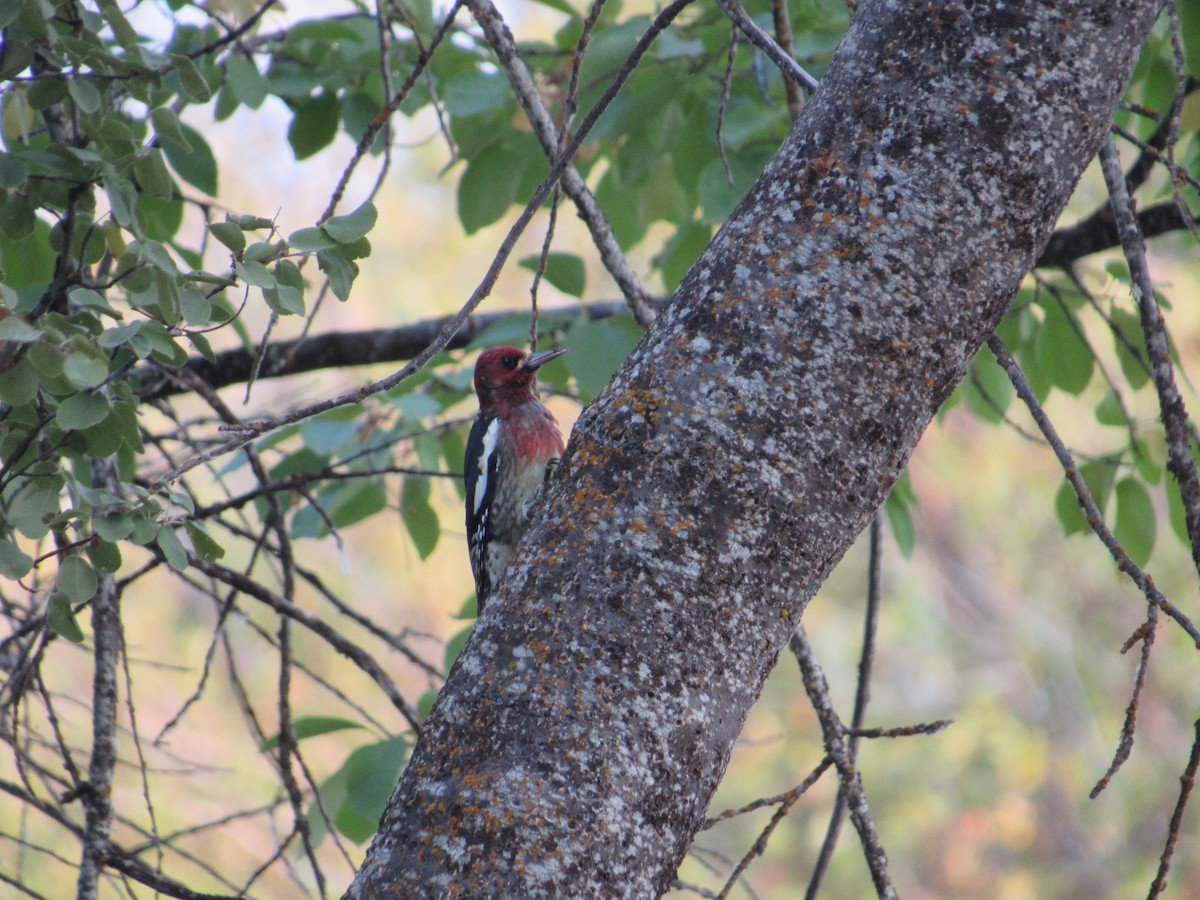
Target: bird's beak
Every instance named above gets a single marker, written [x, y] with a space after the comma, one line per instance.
[535, 361]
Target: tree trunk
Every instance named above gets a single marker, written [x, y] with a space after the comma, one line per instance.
[754, 432]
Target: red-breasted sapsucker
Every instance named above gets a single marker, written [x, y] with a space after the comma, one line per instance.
[513, 440]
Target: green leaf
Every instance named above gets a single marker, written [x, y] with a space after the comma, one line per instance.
[1130, 343]
[82, 410]
[229, 234]
[328, 432]
[168, 129]
[426, 700]
[172, 548]
[246, 82]
[61, 619]
[46, 91]
[1062, 353]
[195, 88]
[85, 95]
[682, 251]
[900, 520]
[76, 580]
[1136, 524]
[1189, 29]
[14, 563]
[341, 272]
[476, 92]
[357, 500]
[197, 165]
[307, 240]
[311, 726]
[19, 384]
[13, 172]
[105, 557]
[371, 775]
[92, 299]
[255, 273]
[206, 548]
[17, 331]
[1109, 410]
[454, 647]
[563, 270]
[113, 526]
[987, 388]
[1176, 514]
[1098, 476]
[315, 125]
[153, 176]
[85, 366]
[17, 219]
[420, 518]
[597, 351]
[350, 227]
[490, 184]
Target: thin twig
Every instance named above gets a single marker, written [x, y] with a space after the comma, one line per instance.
[783, 36]
[381, 120]
[1094, 517]
[786, 797]
[764, 42]
[760, 844]
[834, 733]
[1187, 782]
[861, 696]
[1145, 634]
[726, 87]
[501, 41]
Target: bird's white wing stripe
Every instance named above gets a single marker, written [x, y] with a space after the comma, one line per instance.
[490, 438]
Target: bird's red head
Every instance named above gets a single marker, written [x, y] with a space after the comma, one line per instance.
[504, 376]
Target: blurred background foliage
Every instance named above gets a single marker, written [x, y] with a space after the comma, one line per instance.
[168, 175]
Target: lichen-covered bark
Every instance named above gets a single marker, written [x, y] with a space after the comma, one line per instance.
[708, 491]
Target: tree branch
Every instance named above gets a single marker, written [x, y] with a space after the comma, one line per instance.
[1170, 401]
[501, 41]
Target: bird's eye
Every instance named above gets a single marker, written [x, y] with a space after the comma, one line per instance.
[510, 362]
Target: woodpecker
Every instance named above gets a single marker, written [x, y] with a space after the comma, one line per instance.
[514, 444]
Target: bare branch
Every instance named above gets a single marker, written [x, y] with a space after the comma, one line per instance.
[106, 635]
[1095, 518]
[1187, 782]
[501, 41]
[789, 67]
[1170, 401]
[861, 696]
[837, 748]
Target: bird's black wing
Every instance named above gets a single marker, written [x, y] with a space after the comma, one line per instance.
[482, 467]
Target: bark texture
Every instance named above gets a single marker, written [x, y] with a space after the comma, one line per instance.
[753, 433]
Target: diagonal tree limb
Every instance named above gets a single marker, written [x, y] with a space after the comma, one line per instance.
[1173, 411]
[501, 41]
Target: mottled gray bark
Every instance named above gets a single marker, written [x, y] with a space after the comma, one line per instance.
[709, 490]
